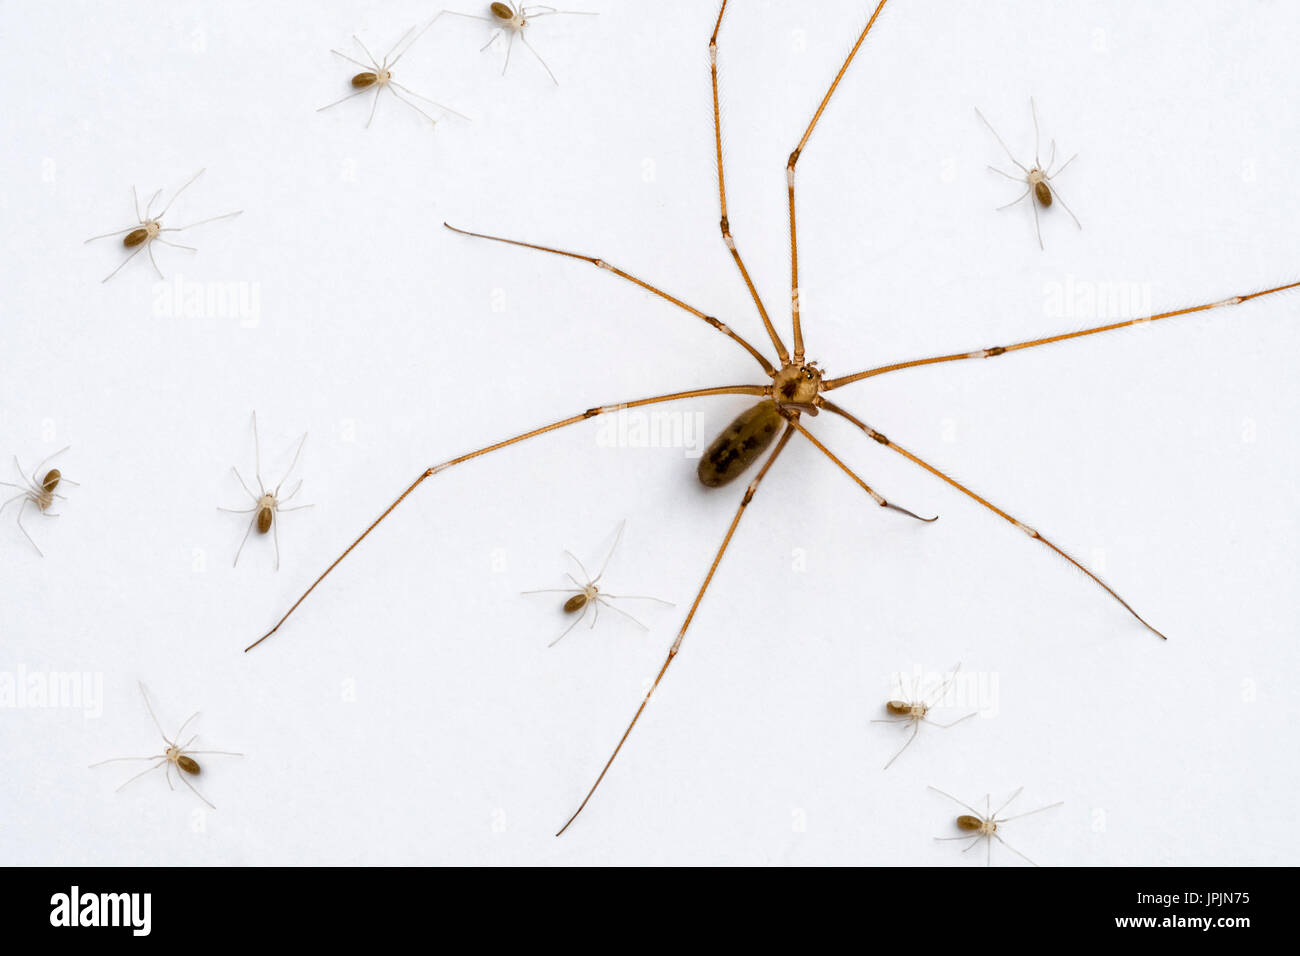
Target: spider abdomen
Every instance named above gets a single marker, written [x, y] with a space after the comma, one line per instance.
[739, 444]
[1043, 193]
[188, 764]
[576, 603]
[135, 237]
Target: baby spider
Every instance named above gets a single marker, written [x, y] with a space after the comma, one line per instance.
[175, 754]
[379, 76]
[267, 505]
[986, 824]
[914, 710]
[1037, 179]
[150, 229]
[507, 17]
[37, 491]
[589, 597]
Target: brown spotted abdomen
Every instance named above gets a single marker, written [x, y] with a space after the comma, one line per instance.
[740, 443]
[1044, 194]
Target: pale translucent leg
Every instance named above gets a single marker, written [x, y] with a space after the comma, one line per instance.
[194, 790]
[21, 508]
[140, 774]
[402, 99]
[999, 139]
[569, 628]
[177, 193]
[344, 100]
[618, 536]
[123, 263]
[619, 610]
[120, 232]
[364, 66]
[1037, 230]
[203, 222]
[1061, 199]
[981, 814]
[510, 45]
[523, 39]
[1016, 201]
[427, 100]
[915, 730]
[245, 540]
[152, 261]
[174, 245]
[292, 464]
[373, 106]
[275, 534]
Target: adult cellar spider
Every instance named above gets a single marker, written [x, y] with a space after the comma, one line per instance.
[795, 387]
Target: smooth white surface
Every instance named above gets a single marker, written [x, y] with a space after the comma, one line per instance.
[1165, 455]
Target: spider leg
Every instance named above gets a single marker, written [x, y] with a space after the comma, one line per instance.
[676, 646]
[1015, 201]
[612, 548]
[122, 263]
[344, 100]
[878, 437]
[1050, 806]
[1001, 350]
[373, 106]
[524, 40]
[789, 179]
[152, 261]
[999, 139]
[491, 39]
[879, 499]
[275, 535]
[202, 222]
[247, 490]
[762, 390]
[915, 730]
[141, 773]
[724, 222]
[21, 508]
[244, 540]
[369, 56]
[955, 722]
[1059, 198]
[440, 106]
[392, 89]
[1002, 172]
[1037, 230]
[174, 195]
[619, 610]
[981, 815]
[302, 441]
[364, 66]
[602, 264]
[174, 245]
[566, 631]
[194, 790]
[107, 235]
[1014, 850]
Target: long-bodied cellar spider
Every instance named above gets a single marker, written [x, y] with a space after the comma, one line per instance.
[986, 824]
[794, 387]
[513, 19]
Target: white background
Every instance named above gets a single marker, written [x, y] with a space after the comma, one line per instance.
[1164, 455]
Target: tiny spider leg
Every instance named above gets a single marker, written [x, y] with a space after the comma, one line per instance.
[149, 228]
[173, 754]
